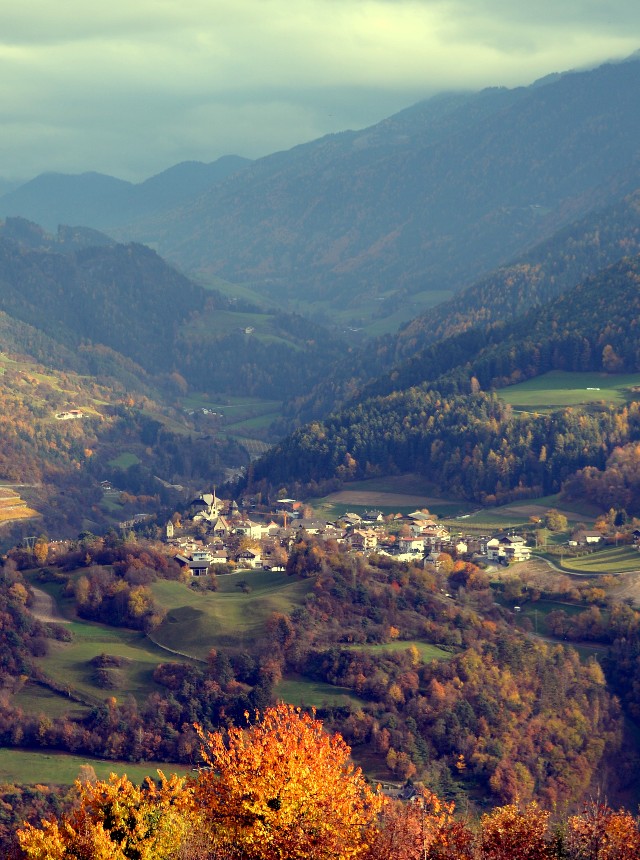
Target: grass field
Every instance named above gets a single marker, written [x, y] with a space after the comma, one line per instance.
[35, 699]
[393, 494]
[517, 514]
[427, 652]
[30, 768]
[621, 559]
[124, 460]
[68, 662]
[228, 618]
[304, 691]
[558, 389]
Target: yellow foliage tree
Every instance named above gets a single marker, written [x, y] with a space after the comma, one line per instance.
[116, 820]
[283, 788]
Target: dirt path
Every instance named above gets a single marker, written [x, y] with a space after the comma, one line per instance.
[44, 608]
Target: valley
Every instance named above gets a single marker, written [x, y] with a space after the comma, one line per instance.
[357, 428]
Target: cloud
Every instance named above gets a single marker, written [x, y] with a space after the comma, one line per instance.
[131, 87]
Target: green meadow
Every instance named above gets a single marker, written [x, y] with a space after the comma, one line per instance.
[558, 389]
[229, 618]
[49, 768]
[427, 652]
[303, 691]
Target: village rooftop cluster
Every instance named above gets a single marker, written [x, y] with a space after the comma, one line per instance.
[216, 535]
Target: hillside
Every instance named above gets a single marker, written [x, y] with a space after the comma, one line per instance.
[454, 429]
[79, 289]
[170, 380]
[374, 226]
[427, 200]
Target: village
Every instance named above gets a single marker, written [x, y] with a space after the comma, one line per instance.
[218, 536]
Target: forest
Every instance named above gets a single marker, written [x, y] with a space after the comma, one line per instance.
[283, 787]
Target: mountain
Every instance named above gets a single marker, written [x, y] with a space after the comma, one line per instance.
[532, 280]
[112, 336]
[426, 201]
[102, 202]
[77, 289]
[123, 297]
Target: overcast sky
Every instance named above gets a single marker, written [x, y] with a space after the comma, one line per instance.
[130, 87]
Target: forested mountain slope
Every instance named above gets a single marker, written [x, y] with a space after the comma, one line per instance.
[100, 201]
[427, 200]
[454, 429]
[80, 289]
[532, 280]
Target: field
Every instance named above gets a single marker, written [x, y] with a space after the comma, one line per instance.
[315, 694]
[68, 663]
[517, 514]
[12, 507]
[427, 652]
[228, 618]
[394, 494]
[124, 460]
[30, 768]
[558, 389]
[367, 320]
[622, 559]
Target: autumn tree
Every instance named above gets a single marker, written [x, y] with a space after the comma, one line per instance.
[283, 788]
[600, 833]
[116, 820]
[424, 829]
[512, 833]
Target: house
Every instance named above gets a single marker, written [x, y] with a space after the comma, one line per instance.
[198, 561]
[249, 558]
[220, 527]
[219, 556]
[505, 548]
[312, 527]
[411, 545]
[373, 516]
[351, 520]
[362, 539]
[247, 528]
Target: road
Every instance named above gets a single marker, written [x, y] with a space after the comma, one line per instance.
[44, 608]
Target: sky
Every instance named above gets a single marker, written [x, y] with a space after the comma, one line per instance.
[131, 87]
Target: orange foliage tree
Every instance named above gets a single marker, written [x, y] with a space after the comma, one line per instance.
[512, 833]
[600, 833]
[284, 788]
[424, 829]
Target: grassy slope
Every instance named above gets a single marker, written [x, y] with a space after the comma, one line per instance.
[558, 389]
[229, 618]
[621, 559]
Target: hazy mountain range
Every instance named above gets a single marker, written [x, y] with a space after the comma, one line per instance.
[422, 203]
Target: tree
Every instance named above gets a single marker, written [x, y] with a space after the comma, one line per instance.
[555, 521]
[41, 551]
[116, 820]
[511, 833]
[599, 833]
[283, 788]
[424, 829]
